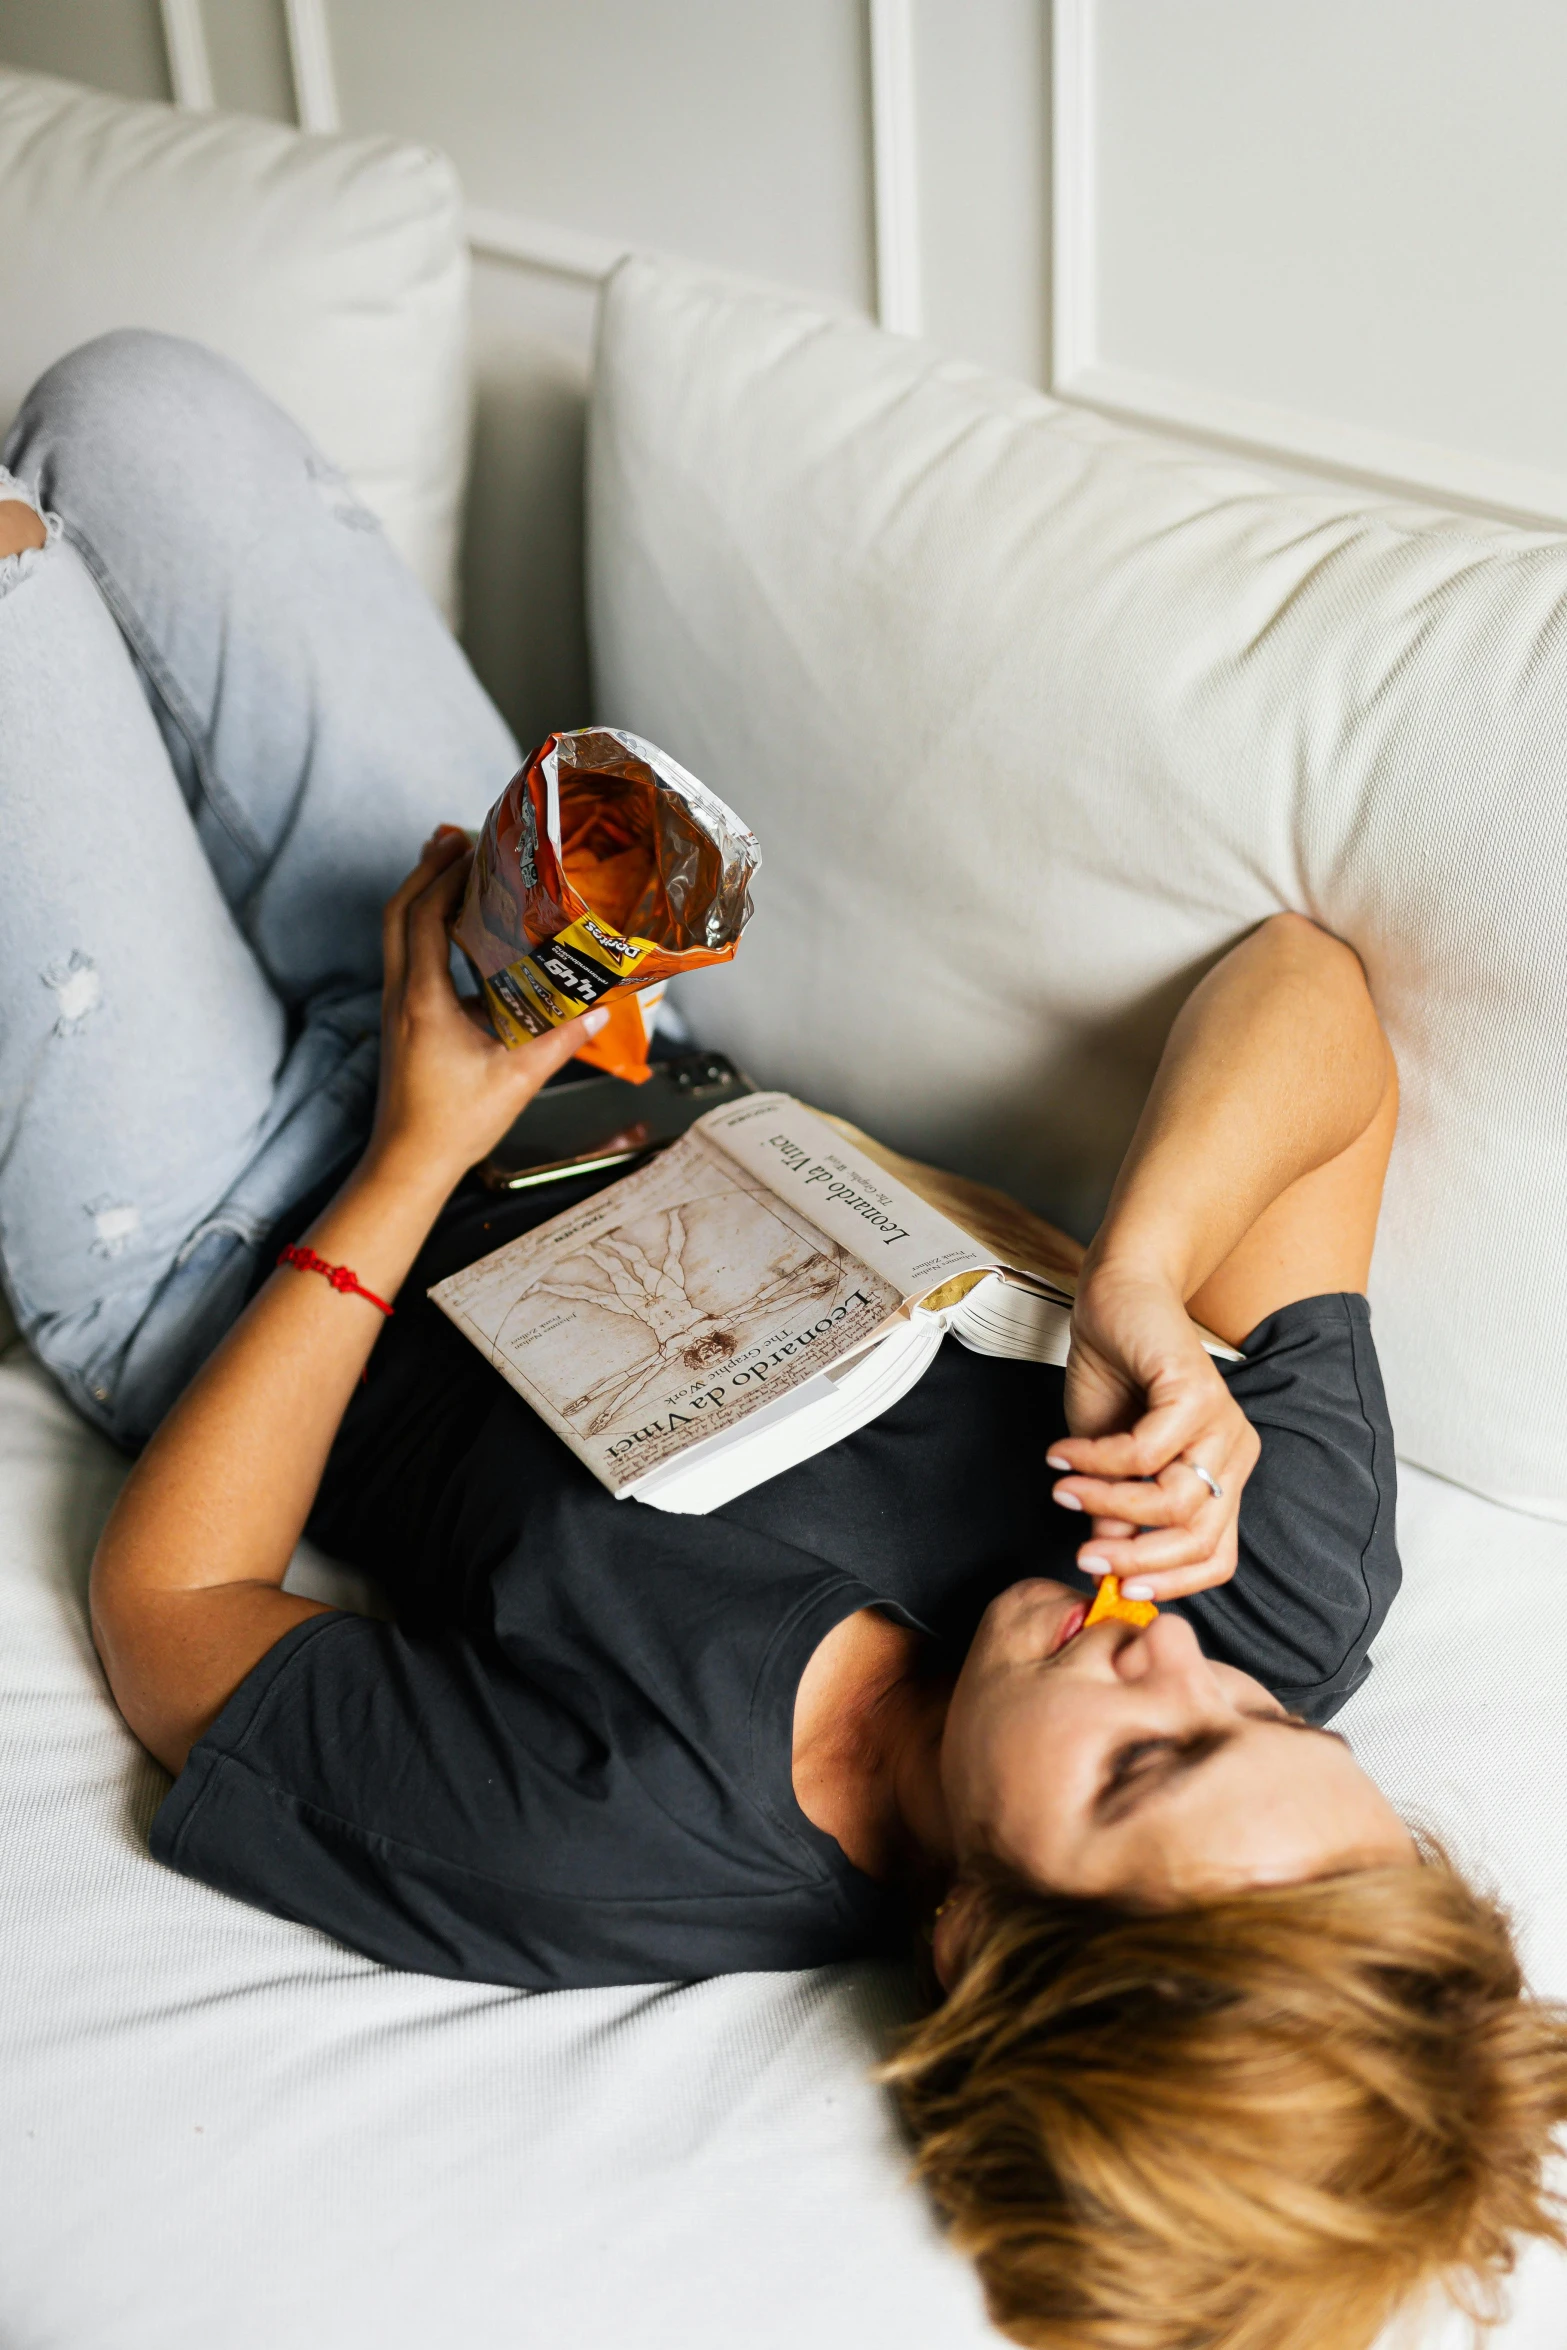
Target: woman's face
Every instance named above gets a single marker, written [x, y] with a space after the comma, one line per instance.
[1122, 1762]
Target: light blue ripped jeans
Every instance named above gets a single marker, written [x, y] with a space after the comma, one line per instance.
[228, 718]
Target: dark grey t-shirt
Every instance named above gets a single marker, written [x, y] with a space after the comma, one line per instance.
[567, 1761]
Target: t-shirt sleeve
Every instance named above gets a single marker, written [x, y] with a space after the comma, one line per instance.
[423, 1801]
[1318, 1551]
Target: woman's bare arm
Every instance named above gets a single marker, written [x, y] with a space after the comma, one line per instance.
[186, 1594]
[1253, 1178]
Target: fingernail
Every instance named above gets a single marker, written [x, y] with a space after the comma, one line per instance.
[448, 832]
[1066, 1501]
[1095, 1566]
[594, 1021]
[1053, 1460]
[1137, 1591]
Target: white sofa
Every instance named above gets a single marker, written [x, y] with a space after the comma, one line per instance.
[1031, 716]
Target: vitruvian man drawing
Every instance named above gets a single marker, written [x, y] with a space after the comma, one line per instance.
[645, 1280]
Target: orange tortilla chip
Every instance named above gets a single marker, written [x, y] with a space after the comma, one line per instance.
[1108, 1602]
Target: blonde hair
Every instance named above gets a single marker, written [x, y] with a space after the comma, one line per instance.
[1258, 2124]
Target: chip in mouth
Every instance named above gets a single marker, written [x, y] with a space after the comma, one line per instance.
[1109, 1603]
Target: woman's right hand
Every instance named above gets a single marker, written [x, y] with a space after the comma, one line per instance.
[449, 1089]
[1146, 1407]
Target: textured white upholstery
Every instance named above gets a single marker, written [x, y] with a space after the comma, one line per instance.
[221, 2129]
[1033, 716]
[333, 269]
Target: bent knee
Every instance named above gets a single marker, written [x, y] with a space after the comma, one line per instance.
[22, 528]
[138, 407]
[110, 381]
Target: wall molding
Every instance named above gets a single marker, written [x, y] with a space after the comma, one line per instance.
[1073, 171]
[588, 258]
[894, 136]
[310, 62]
[189, 62]
[580, 254]
[1383, 460]
[541, 245]
[1424, 470]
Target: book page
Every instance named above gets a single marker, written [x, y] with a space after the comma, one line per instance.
[667, 1307]
[814, 1168]
[1022, 1241]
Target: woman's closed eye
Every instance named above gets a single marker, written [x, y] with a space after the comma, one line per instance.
[1139, 1766]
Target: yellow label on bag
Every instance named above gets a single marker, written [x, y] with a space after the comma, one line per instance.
[562, 979]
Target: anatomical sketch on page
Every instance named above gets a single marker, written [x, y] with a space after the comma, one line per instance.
[688, 1295]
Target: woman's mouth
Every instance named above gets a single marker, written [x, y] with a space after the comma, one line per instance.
[1071, 1624]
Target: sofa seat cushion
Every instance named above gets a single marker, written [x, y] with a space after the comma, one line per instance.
[334, 269]
[1034, 717]
[221, 2128]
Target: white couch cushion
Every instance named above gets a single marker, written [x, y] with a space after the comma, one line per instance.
[219, 2128]
[1033, 717]
[333, 269]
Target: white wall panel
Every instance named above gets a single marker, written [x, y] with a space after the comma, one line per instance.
[1328, 229]
[249, 57]
[735, 134]
[524, 618]
[743, 134]
[1325, 229]
[113, 44]
[1332, 227]
[981, 96]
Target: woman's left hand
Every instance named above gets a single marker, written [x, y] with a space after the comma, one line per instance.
[1147, 1408]
[449, 1088]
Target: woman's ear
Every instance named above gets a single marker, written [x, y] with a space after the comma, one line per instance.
[949, 1937]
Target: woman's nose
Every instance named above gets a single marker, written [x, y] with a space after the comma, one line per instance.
[1166, 1646]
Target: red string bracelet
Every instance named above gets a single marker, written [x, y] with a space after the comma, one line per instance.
[341, 1277]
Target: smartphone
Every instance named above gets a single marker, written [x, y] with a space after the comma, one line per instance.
[583, 1121]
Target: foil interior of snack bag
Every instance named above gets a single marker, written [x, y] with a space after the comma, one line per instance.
[603, 871]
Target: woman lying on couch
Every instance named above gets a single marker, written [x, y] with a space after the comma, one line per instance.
[1222, 2057]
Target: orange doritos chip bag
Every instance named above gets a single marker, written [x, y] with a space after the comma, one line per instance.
[603, 870]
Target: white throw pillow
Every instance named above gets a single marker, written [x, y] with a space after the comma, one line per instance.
[1034, 716]
[333, 269]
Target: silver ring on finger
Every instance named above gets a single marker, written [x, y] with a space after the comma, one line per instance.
[1212, 1483]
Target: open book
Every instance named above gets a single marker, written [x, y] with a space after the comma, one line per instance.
[773, 1281]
